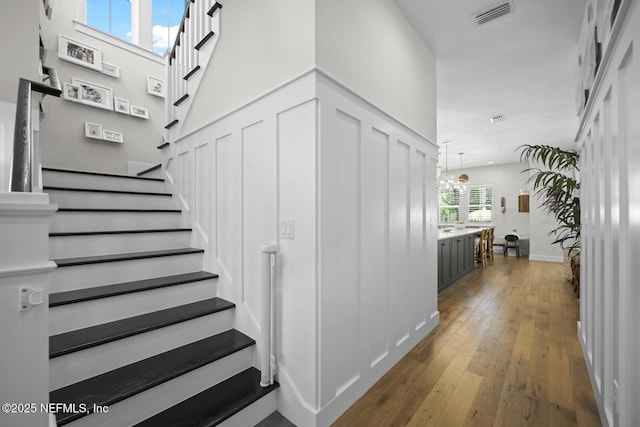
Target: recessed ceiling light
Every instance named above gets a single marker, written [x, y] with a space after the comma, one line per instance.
[491, 162]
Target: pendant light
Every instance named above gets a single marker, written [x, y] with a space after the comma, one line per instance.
[446, 181]
[462, 184]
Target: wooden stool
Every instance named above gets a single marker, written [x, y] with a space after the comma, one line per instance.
[490, 238]
[480, 252]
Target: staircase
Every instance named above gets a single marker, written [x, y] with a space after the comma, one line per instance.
[137, 334]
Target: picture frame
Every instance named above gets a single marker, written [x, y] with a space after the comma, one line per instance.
[110, 70]
[94, 94]
[92, 130]
[140, 112]
[156, 87]
[121, 105]
[71, 92]
[79, 53]
[112, 136]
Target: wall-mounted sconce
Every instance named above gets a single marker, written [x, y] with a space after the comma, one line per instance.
[503, 204]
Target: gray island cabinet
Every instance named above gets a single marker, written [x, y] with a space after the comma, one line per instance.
[455, 256]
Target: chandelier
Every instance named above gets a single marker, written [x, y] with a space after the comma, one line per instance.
[446, 181]
[462, 184]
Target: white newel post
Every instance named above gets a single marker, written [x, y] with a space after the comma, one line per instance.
[267, 360]
[24, 311]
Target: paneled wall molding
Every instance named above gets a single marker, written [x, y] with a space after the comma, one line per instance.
[357, 281]
[320, 75]
[608, 142]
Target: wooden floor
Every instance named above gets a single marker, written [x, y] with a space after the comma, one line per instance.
[506, 353]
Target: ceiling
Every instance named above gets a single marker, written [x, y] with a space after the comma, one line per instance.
[521, 65]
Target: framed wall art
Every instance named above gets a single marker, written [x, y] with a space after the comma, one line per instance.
[92, 130]
[71, 92]
[94, 94]
[109, 135]
[141, 112]
[79, 53]
[121, 105]
[155, 86]
[110, 70]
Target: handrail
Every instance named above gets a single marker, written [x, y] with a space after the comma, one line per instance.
[267, 361]
[21, 176]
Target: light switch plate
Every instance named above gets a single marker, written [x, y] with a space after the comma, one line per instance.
[287, 228]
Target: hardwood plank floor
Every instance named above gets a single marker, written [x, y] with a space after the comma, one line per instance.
[506, 353]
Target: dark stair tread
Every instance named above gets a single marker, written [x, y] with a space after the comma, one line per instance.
[191, 73]
[95, 259]
[166, 144]
[136, 231]
[213, 9]
[102, 174]
[80, 295]
[119, 384]
[181, 100]
[204, 40]
[119, 210]
[214, 405]
[92, 336]
[149, 170]
[100, 190]
[168, 126]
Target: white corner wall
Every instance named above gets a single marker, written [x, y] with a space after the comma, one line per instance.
[377, 274]
[262, 45]
[372, 48]
[62, 128]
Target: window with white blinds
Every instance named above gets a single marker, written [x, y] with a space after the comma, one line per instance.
[480, 197]
[449, 206]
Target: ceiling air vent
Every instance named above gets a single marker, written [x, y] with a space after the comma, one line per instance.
[494, 13]
[496, 120]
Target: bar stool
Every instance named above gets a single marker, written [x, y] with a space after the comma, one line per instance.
[511, 242]
[490, 238]
[480, 250]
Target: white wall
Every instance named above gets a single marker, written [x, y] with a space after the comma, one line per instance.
[63, 142]
[19, 35]
[371, 47]
[262, 45]
[19, 32]
[609, 139]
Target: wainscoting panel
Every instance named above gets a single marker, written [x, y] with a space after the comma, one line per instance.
[356, 283]
[609, 139]
[377, 294]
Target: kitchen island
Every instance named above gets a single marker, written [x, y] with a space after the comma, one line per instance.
[455, 255]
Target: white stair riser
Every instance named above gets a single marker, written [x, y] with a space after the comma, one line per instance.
[96, 200]
[150, 402]
[104, 244]
[76, 180]
[65, 318]
[84, 364]
[108, 221]
[254, 413]
[107, 273]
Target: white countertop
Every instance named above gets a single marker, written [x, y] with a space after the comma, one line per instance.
[457, 233]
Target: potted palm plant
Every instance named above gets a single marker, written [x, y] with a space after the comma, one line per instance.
[557, 186]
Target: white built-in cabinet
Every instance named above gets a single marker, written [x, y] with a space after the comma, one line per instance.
[609, 142]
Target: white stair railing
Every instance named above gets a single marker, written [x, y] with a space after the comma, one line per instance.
[267, 359]
[196, 28]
